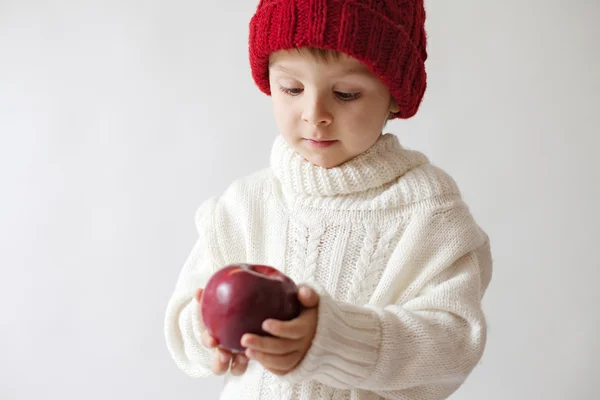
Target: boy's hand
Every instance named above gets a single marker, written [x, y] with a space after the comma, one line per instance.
[282, 353]
[223, 358]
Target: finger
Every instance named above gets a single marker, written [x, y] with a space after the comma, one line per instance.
[239, 364]
[270, 345]
[294, 329]
[198, 295]
[221, 361]
[208, 340]
[308, 297]
[283, 362]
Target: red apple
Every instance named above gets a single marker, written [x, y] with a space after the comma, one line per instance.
[239, 297]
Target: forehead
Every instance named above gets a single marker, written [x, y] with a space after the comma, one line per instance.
[296, 61]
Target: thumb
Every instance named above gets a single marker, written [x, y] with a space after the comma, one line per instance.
[308, 297]
[199, 295]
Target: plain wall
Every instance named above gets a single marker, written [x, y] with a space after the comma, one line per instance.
[118, 118]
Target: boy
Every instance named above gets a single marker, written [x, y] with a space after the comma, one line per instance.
[393, 266]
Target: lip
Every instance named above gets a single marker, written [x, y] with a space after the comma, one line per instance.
[321, 144]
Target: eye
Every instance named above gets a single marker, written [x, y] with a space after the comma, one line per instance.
[291, 91]
[347, 96]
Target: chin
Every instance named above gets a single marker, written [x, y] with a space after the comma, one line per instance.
[322, 159]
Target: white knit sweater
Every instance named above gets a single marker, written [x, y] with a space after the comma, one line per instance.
[387, 241]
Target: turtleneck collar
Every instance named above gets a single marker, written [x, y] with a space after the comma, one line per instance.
[381, 164]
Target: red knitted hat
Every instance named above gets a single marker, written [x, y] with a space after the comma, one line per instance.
[388, 36]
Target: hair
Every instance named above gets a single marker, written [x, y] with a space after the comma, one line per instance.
[320, 54]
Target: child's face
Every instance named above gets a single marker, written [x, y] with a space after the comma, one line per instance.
[328, 111]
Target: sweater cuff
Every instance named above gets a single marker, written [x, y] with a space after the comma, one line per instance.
[193, 344]
[196, 318]
[345, 348]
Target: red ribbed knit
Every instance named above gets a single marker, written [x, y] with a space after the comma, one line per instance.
[387, 36]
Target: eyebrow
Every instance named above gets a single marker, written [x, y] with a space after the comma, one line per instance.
[279, 67]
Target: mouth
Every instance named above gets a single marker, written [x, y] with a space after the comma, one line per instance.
[320, 143]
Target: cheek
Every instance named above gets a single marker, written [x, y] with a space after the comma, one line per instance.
[285, 114]
[376, 112]
[364, 115]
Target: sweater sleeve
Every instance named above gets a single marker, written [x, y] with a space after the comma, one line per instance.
[182, 325]
[422, 349]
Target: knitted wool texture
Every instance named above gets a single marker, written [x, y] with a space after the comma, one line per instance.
[390, 246]
[387, 36]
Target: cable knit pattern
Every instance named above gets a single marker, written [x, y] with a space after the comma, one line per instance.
[366, 253]
[385, 239]
[373, 274]
[309, 260]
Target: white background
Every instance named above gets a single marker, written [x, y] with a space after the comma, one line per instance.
[118, 118]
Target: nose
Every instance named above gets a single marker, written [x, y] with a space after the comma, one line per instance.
[316, 111]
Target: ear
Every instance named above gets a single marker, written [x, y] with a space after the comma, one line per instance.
[394, 108]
